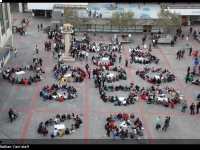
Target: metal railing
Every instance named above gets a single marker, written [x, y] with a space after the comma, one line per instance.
[184, 7]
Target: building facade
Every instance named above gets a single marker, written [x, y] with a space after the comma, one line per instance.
[6, 37]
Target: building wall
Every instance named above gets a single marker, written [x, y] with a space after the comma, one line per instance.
[5, 25]
[49, 6]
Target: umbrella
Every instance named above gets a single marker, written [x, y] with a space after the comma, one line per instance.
[106, 5]
[131, 5]
[146, 9]
[120, 9]
[95, 8]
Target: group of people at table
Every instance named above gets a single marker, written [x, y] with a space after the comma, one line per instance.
[132, 97]
[120, 131]
[162, 75]
[42, 128]
[77, 73]
[51, 92]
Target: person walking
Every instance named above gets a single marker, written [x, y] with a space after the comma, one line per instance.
[15, 52]
[190, 30]
[126, 63]
[190, 52]
[114, 133]
[192, 107]
[86, 55]
[89, 72]
[94, 32]
[182, 36]
[120, 58]
[53, 54]
[197, 107]
[166, 123]
[38, 27]
[36, 48]
[187, 78]
[187, 37]
[183, 52]
[157, 122]
[41, 26]
[184, 106]
[33, 58]
[11, 115]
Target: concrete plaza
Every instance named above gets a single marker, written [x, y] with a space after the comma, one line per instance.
[91, 109]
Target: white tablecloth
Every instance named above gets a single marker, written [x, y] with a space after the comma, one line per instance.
[122, 124]
[121, 98]
[105, 58]
[67, 75]
[55, 96]
[110, 75]
[60, 126]
[20, 72]
[139, 58]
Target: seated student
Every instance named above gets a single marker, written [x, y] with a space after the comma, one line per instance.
[17, 81]
[41, 125]
[61, 99]
[80, 121]
[77, 125]
[112, 99]
[73, 116]
[73, 128]
[48, 122]
[45, 131]
[55, 132]
[67, 131]
[69, 96]
[57, 98]
[172, 104]
[40, 129]
[13, 70]
[50, 96]
[119, 103]
[60, 133]
[124, 102]
[22, 81]
[69, 117]
[57, 120]
[25, 81]
[63, 117]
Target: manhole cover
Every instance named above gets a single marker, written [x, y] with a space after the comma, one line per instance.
[81, 114]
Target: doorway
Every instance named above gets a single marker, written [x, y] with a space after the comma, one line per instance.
[147, 28]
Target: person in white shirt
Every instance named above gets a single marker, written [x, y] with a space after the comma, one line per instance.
[55, 132]
[8, 70]
[15, 52]
[86, 55]
[57, 120]
[64, 96]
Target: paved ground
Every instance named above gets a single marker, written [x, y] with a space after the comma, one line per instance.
[88, 105]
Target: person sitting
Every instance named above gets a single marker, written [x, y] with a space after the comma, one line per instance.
[172, 104]
[69, 96]
[22, 81]
[57, 120]
[40, 129]
[69, 117]
[80, 121]
[63, 117]
[13, 70]
[60, 98]
[77, 125]
[73, 128]
[112, 99]
[41, 125]
[64, 96]
[119, 103]
[67, 131]
[60, 133]
[45, 131]
[25, 81]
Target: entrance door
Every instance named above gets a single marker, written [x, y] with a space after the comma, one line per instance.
[184, 19]
[147, 28]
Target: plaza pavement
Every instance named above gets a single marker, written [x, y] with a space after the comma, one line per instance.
[88, 105]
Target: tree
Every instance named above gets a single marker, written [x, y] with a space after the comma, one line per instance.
[164, 20]
[123, 19]
[176, 19]
[71, 16]
[168, 20]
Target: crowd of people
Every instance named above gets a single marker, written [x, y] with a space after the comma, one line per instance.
[132, 97]
[77, 73]
[162, 75]
[120, 131]
[42, 128]
[51, 92]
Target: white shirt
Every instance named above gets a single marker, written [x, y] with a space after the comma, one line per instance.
[54, 45]
[86, 54]
[55, 132]
[129, 35]
[15, 51]
[64, 96]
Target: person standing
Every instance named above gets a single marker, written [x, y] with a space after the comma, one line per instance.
[166, 123]
[53, 54]
[38, 27]
[197, 107]
[126, 63]
[120, 58]
[94, 32]
[184, 106]
[89, 72]
[157, 122]
[15, 52]
[182, 36]
[108, 132]
[36, 48]
[188, 70]
[190, 51]
[114, 133]
[192, 107]
[187, 78]
[183, 52]
[41, 26]
[190, 30]
[187, 37]
[33, 58]
[11, 115]
[86, 55]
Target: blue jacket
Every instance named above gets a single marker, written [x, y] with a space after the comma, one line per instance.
[196, 62]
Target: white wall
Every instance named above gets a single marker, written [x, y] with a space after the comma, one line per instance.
[49, 6]
[185, 12]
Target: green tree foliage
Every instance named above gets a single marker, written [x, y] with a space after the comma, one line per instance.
[123, 19]
[168, 20]
[164, 20]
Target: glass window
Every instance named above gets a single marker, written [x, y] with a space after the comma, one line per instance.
[6, 15]
[1, 15]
